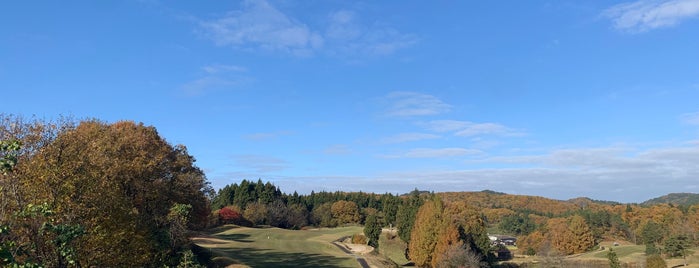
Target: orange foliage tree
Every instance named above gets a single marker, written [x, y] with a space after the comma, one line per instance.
[345, 212]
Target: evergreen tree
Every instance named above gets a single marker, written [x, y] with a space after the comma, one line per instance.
[677, 246]
[372, 230]
[405, 216]
[613, 259]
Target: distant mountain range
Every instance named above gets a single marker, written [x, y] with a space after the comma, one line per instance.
[675, 199]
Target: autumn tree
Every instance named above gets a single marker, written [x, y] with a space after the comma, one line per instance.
[425, 231]
[119, 181]
[532, 243]
[256, 213]
[230, 215]
[277, 214]
[569, 236]
[297, 216]
[439, 227]
[583, 237]
[458, 256]
[322, 215]
[345, 212]
[178, 219]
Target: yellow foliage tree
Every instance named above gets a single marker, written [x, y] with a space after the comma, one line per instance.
[345, 212]
[424, 236]
[570, 236]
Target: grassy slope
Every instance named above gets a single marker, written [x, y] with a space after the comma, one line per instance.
[393, 249]
[273, 247]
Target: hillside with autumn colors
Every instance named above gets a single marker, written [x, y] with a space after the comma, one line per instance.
[92, 193]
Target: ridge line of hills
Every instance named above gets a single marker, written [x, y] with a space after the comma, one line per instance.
[679, 199]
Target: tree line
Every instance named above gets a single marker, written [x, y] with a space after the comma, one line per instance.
[455, 224]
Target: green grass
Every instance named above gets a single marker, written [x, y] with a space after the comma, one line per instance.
[393, 249]
[621, 251]
[274, 247]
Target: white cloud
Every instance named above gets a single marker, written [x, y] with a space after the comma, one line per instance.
[647, 15]
[691, 118]
[207, 83]
[263, 136]
[216, 77]
[469, 129]
[407, 137]
[337, 149]
[348, 36]
[606, 173]
[487, 129]
[260, 25]
[434, 153]
[445, 125]
[260, 163]
[221, 68]
[404, 104]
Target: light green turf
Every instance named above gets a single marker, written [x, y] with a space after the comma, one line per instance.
[274, 247]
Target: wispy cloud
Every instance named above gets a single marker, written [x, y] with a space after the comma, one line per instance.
[207, 83]
[405, 104]
[606, 173]
[221, 68]
[487, 129]
[407, 137]
[337, 149]
[644, 15]
[216, 77]
[470, 129]
[260, 25]
[691, 118]
[347, 35]
[434, 153]
[445, 125]
[263, 136]
[260, 163]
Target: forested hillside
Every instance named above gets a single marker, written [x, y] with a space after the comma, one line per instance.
[686, 199]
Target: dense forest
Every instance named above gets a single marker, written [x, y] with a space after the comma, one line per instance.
[97, 194]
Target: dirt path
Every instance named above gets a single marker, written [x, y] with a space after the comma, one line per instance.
[362, 262]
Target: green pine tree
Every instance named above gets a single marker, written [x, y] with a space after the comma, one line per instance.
[613, 259]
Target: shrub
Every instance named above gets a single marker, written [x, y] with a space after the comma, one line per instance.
[655, 261]
[359, 239]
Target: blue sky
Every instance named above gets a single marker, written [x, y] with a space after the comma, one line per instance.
[554, 98]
